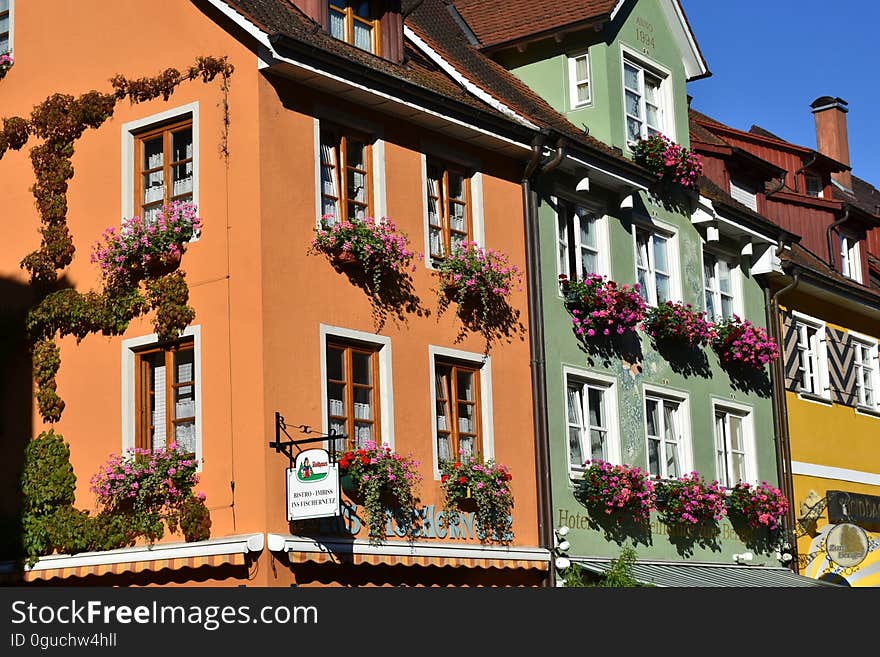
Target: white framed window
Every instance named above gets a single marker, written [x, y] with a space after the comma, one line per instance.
[461, 404]
[720, 286]
[867, 371]
[646, 104]
[581, 93]
[160, 160]
[162, 392]
[734, 444]
[656, 265]
[850, 258]
[812, 356]
[7, 8]
[581, 240]
[667, 432]
[591, 419]
[356, 386]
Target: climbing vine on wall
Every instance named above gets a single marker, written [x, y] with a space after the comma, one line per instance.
[59, 121]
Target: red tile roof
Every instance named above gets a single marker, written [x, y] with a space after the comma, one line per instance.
[499, 22]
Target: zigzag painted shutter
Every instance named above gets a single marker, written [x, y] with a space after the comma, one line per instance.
[841, 367]
[790, 352]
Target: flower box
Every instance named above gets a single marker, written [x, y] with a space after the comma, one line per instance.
[621, 491]
[759, 506]
[669, 162]
[740, 343]
[678, 322]
[601, 308]
[689, 500]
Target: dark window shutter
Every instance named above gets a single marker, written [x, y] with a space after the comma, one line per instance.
[790, 352]
[841, 367]
[391, 31]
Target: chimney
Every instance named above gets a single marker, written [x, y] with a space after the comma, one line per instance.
[831, 136]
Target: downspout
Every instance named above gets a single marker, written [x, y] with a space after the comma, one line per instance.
[828, 238]
[780, 410]
[536, 351]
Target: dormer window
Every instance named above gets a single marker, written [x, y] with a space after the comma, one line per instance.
[813, 186]
[644, 101]
[355, 22]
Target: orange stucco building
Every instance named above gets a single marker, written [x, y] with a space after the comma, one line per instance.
[270, 318]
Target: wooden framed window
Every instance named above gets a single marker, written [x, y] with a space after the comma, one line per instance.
[353, 393]
[653, 271]
[355, 22]
[165, 396]
[718, 287]
[346, 175]
[579, 80]
[664, 429]
[164, 167]
[731, 449]
[449, 208]
[457, 407]
[5, 26]
[579, 241]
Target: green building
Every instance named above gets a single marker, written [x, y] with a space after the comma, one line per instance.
[620, 71]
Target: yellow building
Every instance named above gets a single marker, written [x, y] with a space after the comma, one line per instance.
[831, 412]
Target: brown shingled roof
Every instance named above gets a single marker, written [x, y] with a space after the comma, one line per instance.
[497, 22]
[865, 196]
[433, 23]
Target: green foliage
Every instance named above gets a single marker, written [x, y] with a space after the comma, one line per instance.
[487, 485]
[168, 296]
[48, 480]
[195, 519]
[619, 575]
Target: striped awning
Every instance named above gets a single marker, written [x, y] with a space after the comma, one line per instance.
[225, 550]
[301, 549]
[708, 575]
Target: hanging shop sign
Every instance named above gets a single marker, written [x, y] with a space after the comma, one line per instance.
[312, 486]
[847, 545]
[853, 507]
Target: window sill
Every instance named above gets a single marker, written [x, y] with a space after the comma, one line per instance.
[870, 412]
[815, 399]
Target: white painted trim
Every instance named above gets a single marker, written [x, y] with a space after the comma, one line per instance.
[292, 543]
[386, 380]
[872, 344]
[128, 375]
[830, 472]
[462, 80]
[821, 358]
[477, 215]
[128, 138]
[426, 231]
[319, 207]
[747, 413]
[380, 207]
[11, 48]
[734, 262]
[684, 39]
[238, 544]
[611, 406]
[487, 419]
[684, 399]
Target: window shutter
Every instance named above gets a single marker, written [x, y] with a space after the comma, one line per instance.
[841, 367]
[790, 352]
[744, 195]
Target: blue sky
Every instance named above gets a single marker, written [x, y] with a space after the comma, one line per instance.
[771, 58]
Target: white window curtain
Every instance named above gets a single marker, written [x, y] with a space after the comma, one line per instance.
[329, 186]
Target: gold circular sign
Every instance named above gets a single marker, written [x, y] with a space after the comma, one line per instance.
[847, 545]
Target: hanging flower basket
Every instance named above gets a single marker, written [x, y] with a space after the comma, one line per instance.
[469, 484]
[158, 265]
[6, 63]
[385, 481]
